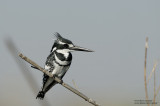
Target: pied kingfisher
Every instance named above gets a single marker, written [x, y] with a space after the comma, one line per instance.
[58, 62]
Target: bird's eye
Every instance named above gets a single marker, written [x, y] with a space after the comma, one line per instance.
[66, 46]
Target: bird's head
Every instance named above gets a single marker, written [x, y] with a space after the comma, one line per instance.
[66, 45]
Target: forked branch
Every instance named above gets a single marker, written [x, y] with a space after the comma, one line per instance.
[59, 80]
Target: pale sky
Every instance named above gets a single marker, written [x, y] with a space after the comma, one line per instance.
[114, 29]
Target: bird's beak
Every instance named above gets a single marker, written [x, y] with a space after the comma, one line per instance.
[77, 48]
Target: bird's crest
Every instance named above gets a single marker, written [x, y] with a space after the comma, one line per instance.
[61, 39]
[58, 36]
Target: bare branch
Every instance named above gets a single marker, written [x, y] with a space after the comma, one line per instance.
[154, 67]
[28, 76]
[157, 91]
[145, 64]
[154, 98]
[75, 84]
[59, 81]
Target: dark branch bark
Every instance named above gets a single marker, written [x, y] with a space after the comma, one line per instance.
[59, 80]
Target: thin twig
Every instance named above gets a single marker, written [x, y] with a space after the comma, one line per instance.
[153, 69]
[75, 84]
[28, 76]
[157, 91]
[154, 98]
[145, 64]
[59, 81]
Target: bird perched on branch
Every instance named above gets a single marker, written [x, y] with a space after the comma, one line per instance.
[58, 62]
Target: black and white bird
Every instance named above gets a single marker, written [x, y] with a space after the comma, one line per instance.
[58, 62]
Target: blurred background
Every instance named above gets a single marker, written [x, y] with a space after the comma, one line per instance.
[113, 75]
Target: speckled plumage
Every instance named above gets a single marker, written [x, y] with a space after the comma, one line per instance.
[58, 62]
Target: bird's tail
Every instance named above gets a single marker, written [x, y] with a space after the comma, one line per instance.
[40, 95]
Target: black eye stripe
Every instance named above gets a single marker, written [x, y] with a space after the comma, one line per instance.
[66, 46]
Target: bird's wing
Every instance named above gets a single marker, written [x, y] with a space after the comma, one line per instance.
[49, 66]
